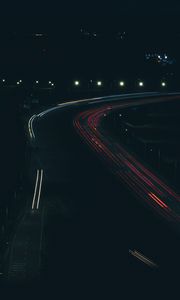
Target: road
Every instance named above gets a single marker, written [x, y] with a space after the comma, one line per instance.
[97, 234]
[139, 178]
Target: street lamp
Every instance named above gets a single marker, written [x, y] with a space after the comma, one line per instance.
[76, 82]
[99, 83]
[121, 83]
[163, 84]
[141, 83]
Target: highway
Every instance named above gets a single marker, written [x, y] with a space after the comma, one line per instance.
[139, 179]
[103, 218]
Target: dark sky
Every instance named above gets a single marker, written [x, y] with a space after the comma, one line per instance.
[90, 7]
[53, 14]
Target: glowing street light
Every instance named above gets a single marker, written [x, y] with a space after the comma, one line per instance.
[3, 80]
[121, 83]
[18, 82]
[50, 82]
[163, 84]
[141, 83]
[76, 82]
[37, 81]
[99, 83]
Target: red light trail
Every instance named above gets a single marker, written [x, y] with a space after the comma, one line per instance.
[141, 180]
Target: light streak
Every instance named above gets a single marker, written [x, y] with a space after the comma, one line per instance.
[157, 200]
[30, 126]
[142, 181]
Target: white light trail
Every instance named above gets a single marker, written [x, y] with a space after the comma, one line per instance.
[143, 258]
[30, 126]
[97, 100]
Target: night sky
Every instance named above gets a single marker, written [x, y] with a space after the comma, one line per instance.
[149, 26]
[53, 15]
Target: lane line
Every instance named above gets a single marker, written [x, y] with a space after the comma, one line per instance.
[40, 186]
[143, 258]
[35, 190]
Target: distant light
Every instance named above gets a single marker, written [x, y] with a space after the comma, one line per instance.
[163, 83]
[37, 81]
[76, 82]
[165, 56]
[99, 83]
[141, 83]
[3, 80]
[126, 130]
[121, 83]
[20, 81]
[50, 82]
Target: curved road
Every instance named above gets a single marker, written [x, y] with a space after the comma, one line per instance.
[139, 178]
[84, 231]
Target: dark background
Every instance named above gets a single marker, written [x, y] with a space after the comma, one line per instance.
[64, 51]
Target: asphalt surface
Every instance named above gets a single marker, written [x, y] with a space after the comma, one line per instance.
[99, 239]
[123, 164]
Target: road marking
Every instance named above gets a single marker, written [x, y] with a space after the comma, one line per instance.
[37, 190]
[143, 258]
[40, 186]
